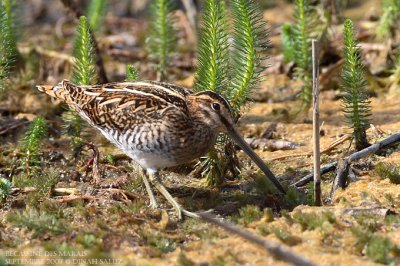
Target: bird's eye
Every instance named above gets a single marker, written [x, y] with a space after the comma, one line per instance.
[216, 106]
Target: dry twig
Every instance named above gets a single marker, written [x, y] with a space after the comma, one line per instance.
[330, 147]
[69, 199]
[316, 143]
[344, 164]
[308, 178]
[363, 153]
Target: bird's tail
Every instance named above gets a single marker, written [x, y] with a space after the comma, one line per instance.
[60, 91]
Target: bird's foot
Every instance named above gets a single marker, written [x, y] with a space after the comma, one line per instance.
[180, 211]
[153, 203]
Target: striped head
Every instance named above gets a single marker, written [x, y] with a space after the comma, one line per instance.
[216, 112]
[213, 110]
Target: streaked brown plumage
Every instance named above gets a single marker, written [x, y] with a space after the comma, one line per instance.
[157, 124]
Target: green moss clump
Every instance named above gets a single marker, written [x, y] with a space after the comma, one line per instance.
[378, 249]
[312, 221]
[249, 214]
[5, 188]
[161, 243]
[356, 103]
[390, 171]
[37, 222]
[84, 71]
[132, 73]
[286, 237]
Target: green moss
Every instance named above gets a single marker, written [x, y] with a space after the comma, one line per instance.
[3, 261]
[249, 214]
[5, 188]
[379, 248]
[369, 222]
[285, 214]
[198, 228]
[31, 145]
[287, 42]
[388, 170]
[228, 258]
[84, 71]
[8, 42]
[312, 221]
[161, 243]
[212, 48]
[392, 219]
[130, 208]
[183, 260]
[356, 104]
[295, 197]
[42, 182]
[87, 240]
[249, 42]
[264, 185]
[286, 237]
[62, 249]
[38, 222]
[132, 73]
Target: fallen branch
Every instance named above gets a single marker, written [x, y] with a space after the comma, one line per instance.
[342, 171]
[375, 147]
[316, 128]
[330, 147]
[308, 178]
[280, 251]
[69, 199]
[358, 155]
[60, 190]
[382, 212]
[13, 125]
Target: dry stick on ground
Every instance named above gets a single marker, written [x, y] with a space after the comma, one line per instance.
[73, 198]
[308, 178]
[71, 5]
[61, 190]
[280, 251]
[344, 164]
[331, 146]
[316, 143]
[332, 166]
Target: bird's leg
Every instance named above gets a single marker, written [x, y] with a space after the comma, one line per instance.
[154, 178]
[153, 202]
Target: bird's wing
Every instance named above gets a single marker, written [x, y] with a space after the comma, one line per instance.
[121, 104]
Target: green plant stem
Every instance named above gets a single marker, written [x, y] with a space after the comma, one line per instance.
[212, 53]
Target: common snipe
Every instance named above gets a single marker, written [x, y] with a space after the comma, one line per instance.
[157, 124]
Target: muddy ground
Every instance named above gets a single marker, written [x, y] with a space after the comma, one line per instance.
[58, 217]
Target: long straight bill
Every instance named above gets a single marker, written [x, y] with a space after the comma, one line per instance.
[234, 134]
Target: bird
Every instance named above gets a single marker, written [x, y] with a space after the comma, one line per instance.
[157, 124]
